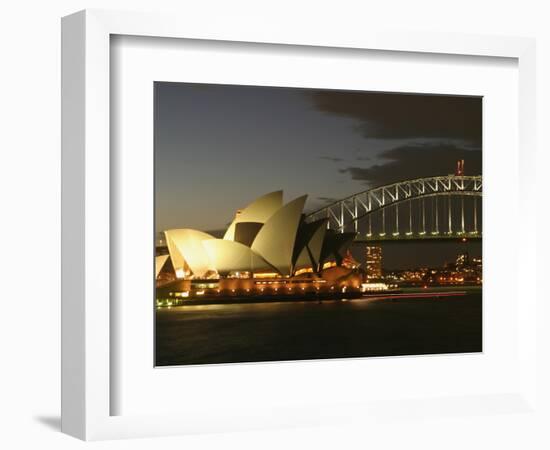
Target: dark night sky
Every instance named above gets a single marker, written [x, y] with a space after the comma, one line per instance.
[218, 147]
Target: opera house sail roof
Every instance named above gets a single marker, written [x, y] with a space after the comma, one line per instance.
[257, 212]
[266, 237]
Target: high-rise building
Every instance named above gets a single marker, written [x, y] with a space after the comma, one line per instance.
[462, 260]
[373, 265]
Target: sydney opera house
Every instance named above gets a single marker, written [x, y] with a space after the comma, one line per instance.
[268, 250]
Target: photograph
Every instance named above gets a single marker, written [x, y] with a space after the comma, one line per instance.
[300, 224]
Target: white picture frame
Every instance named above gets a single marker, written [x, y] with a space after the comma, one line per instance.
[86, 221]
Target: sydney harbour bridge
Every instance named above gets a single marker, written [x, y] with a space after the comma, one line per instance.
[433, 208]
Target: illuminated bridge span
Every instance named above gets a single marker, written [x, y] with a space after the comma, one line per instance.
[443, 207]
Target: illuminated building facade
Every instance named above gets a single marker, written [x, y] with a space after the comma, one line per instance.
[349, 261]
[267, 239]
[373, 264]
[462, 260]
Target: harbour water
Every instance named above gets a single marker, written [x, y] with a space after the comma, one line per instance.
[298, 330]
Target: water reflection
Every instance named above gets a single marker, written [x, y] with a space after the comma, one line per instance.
[202, 334]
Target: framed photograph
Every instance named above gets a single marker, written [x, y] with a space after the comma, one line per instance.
[390, 224]
[266, 230]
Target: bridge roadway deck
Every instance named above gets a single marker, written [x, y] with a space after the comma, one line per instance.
[403, 237]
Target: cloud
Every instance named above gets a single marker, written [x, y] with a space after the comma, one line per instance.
[330, 158]
[416, 161]
[327, 199]
[406, 116]
[318, 203]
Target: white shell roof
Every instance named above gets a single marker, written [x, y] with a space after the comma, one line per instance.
[260, 210]
[185, 246]
[275, 241]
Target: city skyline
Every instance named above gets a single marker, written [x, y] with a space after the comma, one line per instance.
[282, 239]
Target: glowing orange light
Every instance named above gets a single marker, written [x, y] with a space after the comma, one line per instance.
[266, 275]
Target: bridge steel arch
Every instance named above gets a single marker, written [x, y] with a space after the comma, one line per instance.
[349, 210]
